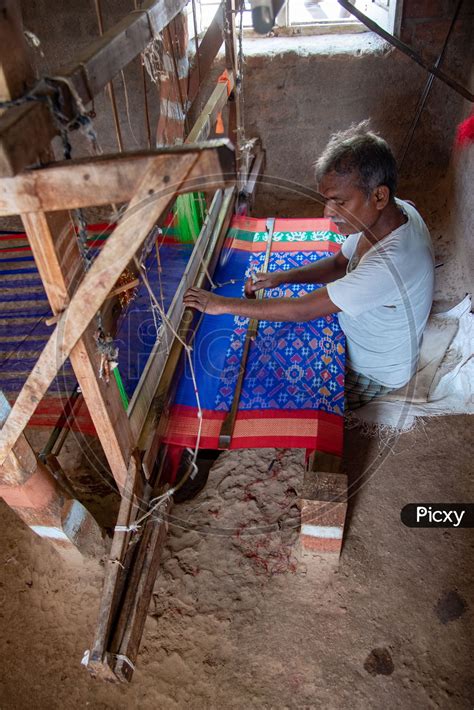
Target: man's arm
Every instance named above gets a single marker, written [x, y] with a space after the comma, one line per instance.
[312, 305]
[322, 271]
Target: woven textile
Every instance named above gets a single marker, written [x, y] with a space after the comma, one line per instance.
[24, 333]
[293, 390]
[361, 390]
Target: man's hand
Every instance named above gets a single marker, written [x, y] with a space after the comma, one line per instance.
[203, 301]
[261, 280]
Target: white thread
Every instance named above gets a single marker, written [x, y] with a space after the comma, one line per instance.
[127, 108]
[85, 657]
[126, 528]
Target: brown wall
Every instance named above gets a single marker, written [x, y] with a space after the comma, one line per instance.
[297, 91]
[65, 28]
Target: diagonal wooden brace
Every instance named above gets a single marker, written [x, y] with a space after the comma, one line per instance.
[153, 195]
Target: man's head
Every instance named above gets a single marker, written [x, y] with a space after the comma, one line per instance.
[357, 176]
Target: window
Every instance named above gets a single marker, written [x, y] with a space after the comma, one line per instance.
[299, 17]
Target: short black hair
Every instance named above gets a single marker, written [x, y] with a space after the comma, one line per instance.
[359, 150]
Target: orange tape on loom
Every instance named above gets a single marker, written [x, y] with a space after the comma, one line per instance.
[223, 79]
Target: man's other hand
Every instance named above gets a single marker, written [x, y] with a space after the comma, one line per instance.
[203, 301]
[259, 281]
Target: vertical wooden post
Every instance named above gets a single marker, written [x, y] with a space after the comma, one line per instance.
[59, 263]
[25, 484]
[231, 61]
[16, 73]
[58, 260]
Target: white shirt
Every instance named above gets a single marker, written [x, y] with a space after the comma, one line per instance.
[385, 301]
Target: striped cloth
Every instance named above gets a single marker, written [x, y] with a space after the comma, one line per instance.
[360, 390]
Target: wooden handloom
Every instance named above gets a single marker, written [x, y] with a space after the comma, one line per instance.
[148, 182]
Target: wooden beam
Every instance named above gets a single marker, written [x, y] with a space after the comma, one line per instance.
[16, 76]
[153, 196]
[231, 55]
[207, 118]
[139, 592]
[16, 73]
[26, 485]
[105, 57]
[208, 49]
[90, 72]
[406, 49]
[55, 249]
[115, 573]
[228, 425]
[111, 178]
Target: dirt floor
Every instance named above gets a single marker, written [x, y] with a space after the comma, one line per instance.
[240, 619]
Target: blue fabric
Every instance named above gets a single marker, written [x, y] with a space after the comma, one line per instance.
[290, 365]
[137, 330]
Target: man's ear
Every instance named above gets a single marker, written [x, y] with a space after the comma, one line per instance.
[381, 196]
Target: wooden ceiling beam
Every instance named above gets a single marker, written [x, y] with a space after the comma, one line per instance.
[24, 132]
[112, 178]
[104, 58]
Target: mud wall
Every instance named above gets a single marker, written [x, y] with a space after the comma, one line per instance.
[298, 90]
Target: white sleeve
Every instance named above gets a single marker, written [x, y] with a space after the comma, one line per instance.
[372, 284]
[349, 245]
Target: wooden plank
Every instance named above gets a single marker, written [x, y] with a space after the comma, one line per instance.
[208, 49]
[156, 191]
[16, 72]
[112, 178]
[235, 119]
[55, 249]
[26, 133]
[105, 57]
[97, 663]
[208, 117]
[141, 590]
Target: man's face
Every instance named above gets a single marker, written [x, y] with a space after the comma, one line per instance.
[346, 204]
